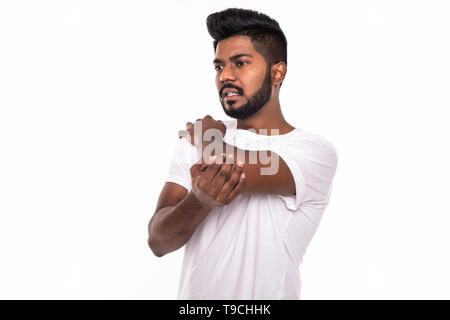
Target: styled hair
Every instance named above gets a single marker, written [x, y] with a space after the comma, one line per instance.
[265, 33]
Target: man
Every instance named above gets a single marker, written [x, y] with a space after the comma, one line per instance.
[245, 229]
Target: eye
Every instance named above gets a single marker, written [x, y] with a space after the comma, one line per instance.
[217, 68]
[242, 62]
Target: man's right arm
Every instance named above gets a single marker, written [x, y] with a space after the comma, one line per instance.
[172, 226]
[178, 212]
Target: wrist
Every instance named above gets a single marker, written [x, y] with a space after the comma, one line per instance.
[203, 198]
[199, 201]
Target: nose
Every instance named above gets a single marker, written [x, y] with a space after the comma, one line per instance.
[227, 74]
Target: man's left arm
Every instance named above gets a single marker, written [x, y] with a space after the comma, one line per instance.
[266, 171]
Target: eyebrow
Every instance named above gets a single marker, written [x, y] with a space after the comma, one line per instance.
[237, 56]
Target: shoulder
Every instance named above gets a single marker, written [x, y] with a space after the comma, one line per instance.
[309, 145]
[185, 152]
[319, 142]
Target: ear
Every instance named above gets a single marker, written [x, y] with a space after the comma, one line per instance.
[278, 73]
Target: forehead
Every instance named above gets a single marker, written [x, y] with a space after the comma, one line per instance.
[235, 45]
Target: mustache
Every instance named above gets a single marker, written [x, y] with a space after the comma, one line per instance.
[231, 86]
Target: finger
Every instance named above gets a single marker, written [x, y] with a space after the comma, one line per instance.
[238, 188]
[219, 179]
[229, 159]
[194, 169]
[183, 133]
[216, 161]
[211, 170]
[229, 184]
[197, 169]
[206, 177]
[210, 173]
[189, 124]
[202, 194]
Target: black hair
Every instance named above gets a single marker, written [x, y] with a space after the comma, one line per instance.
[265, 33]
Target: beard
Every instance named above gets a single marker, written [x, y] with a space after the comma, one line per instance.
[254, 104]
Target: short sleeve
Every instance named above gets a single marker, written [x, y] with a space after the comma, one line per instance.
[312, 161]
[183, 157]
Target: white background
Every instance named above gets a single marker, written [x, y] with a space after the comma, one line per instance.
[93, 93]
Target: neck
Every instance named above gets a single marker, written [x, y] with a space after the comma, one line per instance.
[268, 117]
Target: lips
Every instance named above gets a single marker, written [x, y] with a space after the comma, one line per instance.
[232, 97]
[229, 92]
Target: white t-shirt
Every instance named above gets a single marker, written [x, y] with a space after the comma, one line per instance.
[253, 247]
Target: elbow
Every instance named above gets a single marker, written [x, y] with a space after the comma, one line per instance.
[158, 253]
[153, 243]
[155, 249]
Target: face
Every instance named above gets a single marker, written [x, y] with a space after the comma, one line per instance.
[243, 77]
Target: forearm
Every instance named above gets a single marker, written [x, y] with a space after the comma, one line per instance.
[171, 227]
[256, 164]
